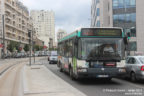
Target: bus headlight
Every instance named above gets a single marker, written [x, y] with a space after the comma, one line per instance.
[83, 65]
[82, 70]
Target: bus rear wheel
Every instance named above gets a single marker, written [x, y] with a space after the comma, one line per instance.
[61, 69]
[71, 73]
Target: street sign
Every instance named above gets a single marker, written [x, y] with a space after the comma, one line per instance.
[44, 47]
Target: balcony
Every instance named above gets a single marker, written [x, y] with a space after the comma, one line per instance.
[7, 10]
[8, 17]
[10, 4]
[10, 32]
[10, 25]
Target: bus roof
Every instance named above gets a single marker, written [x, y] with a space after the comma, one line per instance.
[76, 33]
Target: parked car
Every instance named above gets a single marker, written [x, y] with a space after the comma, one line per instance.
[41, 53]
[53, 58]
[135, 67]
[18, 55]
[7, 55]
[36, 53]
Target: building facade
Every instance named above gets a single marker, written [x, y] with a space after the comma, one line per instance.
[60, 34]
[127, 14]
[44, 25]
[16, 22]
[101, 13]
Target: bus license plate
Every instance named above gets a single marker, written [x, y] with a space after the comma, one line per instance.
[103, 76]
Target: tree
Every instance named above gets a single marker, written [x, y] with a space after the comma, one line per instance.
[17, 46]
[40, 47]
[11, 47]
[26, 47]
[36, 47]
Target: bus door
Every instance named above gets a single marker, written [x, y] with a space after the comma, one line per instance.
[74, 57]
[66, 56]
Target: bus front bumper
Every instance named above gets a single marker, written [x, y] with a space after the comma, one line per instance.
[101, 72]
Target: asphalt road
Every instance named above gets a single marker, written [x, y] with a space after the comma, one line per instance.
[98, 87]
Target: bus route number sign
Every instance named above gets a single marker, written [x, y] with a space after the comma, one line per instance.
[101, 32]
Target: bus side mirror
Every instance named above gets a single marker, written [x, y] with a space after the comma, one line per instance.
[128, 34]
[126, 40]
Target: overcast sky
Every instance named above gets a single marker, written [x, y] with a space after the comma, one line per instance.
[69, 14]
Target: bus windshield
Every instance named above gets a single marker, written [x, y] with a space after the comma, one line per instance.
[101, 48]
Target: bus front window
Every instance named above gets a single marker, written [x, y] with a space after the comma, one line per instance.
[95, 48]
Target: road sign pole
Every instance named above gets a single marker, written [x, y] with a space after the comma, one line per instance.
[29, 35]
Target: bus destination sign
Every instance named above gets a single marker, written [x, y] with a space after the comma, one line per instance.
[101, 32]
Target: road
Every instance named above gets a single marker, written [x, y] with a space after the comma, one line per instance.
[95, 87]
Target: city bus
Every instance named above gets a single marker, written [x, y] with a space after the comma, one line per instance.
[93, 52]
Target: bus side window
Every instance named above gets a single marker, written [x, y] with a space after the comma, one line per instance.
[70, 48]
[75, 51]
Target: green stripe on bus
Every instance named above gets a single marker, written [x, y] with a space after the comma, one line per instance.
[74, 63]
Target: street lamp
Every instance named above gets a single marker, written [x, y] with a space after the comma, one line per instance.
[3, 24]
[29, 35]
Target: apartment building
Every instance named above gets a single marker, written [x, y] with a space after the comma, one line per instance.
[16, 22]
[44, 24]
[128, 14]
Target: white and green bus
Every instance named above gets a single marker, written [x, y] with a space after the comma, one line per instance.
[93, 52]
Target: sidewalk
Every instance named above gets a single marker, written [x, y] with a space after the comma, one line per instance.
[39, 81]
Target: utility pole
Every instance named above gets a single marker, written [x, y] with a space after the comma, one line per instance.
[33, 43]
[3, 17]
[29, 35]
[3, 28]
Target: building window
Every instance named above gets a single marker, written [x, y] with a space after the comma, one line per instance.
[125, 17]
[128, 17]
[133, 17]
[115, 17]
[121, 18]
[98, 24]
[115, 4]
[133, 3]
[123, 4]
[127, 3]
[97, 1]
[98, 11]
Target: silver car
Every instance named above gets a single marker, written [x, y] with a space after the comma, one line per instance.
[135, 67]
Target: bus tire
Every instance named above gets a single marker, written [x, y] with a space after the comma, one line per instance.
[71, 73]
[61, 69]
